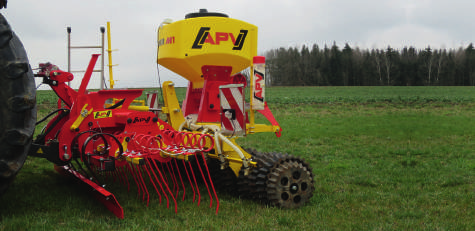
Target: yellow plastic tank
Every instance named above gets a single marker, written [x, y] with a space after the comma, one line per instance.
[206, 39]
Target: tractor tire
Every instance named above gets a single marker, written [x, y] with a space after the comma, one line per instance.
[17, 105]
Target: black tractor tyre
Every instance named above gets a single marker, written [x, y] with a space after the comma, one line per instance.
[17, 105]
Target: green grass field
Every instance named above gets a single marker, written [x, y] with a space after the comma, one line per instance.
[384, 158]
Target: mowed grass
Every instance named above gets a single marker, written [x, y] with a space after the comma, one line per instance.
[390, 158]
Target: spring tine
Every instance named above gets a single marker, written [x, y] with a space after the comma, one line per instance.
[119, 174]
[166, 177]
[196, 184]
[139, 181]
[211, 182]
[206, 183]
[145, 176]
[174, 173]
[166, 185]
[123, 170]
[172, 176]
[142, 179]
[145, 190]
[135, 178]
[159, 184]
[181, 179]
[113, 175]
[151, 180]
[189, 180]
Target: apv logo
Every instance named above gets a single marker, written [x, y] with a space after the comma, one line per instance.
[205, 37]
[258, 85]
[141, 120]
[102, 114]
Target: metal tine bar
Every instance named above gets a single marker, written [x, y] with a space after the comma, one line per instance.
[181, 179]
[211, 182]
[172, 176]
[159, 184]
[163, 169]
[132, 171]
[106, 173]
[143, 185]
[168, 188]
[196, 183]
[119, 174]
[143, 169]
[206, 183]
[126, 179]
[189, 180]
[114, 175]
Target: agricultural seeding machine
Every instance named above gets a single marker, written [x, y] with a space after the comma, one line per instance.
[103, 136]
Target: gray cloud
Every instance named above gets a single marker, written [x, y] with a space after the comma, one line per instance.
[282, 23]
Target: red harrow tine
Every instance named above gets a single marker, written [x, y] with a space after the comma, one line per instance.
[196, 184]
[172, 176]
[135, 178]
[159, 184]
[181, 179]
[143, 184]
[123, 171]
[146, 167]
[163, 165]
[206, 183]
[211, 182]
[189, 180]
[166, 185]
[119, 175]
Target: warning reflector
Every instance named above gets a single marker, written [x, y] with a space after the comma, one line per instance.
[152, 101]
[233, 119]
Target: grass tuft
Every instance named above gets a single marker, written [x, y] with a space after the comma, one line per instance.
[384, 158]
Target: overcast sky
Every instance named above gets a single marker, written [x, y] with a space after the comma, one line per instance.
[41, 25]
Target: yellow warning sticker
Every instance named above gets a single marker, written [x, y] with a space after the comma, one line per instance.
[102, 114]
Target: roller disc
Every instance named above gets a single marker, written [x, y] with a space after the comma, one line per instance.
[289, 185]
[279, 179]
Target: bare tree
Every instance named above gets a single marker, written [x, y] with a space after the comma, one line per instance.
[377, 59]
[388, 63]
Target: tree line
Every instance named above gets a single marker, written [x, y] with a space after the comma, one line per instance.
[332, 66]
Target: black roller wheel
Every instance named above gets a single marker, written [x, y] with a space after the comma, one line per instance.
[281, 180]
[223, 179]
[289, 185]
[17, 105]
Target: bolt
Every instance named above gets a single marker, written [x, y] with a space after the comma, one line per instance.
[294, 188]
[66, 156]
